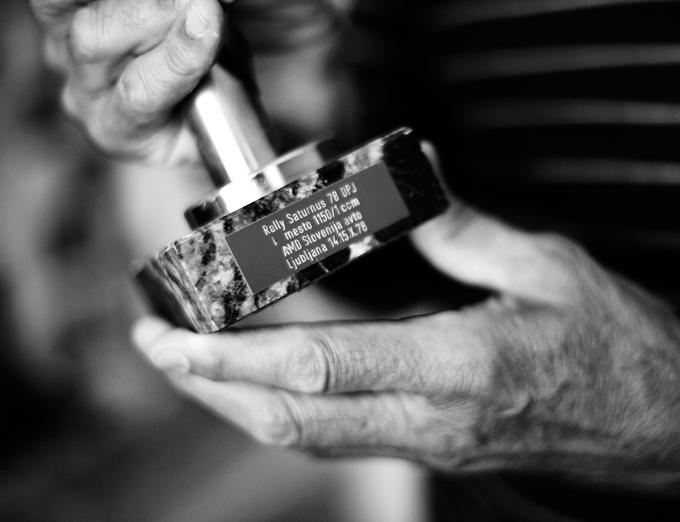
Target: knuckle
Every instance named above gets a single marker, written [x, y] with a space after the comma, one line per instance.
[136, 15]
[168, 5]
[571, 271]
[84, 38]
[445, 439]
[277, 425]
[180, 60]
[140, 15]
[308, 369]
[137, 94]
[559, 248]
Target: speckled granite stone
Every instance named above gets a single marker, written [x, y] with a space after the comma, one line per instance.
[196, 281]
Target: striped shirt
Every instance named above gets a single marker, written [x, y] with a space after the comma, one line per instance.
[554, 114]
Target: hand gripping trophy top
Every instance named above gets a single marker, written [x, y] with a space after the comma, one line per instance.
[229, 126]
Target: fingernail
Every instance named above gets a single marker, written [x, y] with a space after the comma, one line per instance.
[173, 361]
[147, 331]
[197, 22]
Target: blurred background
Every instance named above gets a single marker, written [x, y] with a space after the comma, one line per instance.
[554, 114]
[89, 431]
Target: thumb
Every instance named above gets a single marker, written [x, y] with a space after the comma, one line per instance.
[478, 249]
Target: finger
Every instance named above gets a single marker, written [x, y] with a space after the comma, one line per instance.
[104, 34]
[283, 418]
[112, 28]
[152, 85]
[476, 248]
[147, 331]
[480, 250]
[311, 359]
[429, 355]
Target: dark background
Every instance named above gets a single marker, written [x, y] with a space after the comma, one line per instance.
[555, 115]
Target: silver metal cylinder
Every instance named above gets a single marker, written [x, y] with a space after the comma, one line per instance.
[271, 177]
[225, 116]
[228, 129]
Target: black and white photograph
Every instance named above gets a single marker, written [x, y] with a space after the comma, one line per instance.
[340, 260]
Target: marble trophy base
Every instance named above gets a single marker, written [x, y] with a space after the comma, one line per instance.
[244, 261]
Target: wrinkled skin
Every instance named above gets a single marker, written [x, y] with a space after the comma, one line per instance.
[569, 368]
[128, 63]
